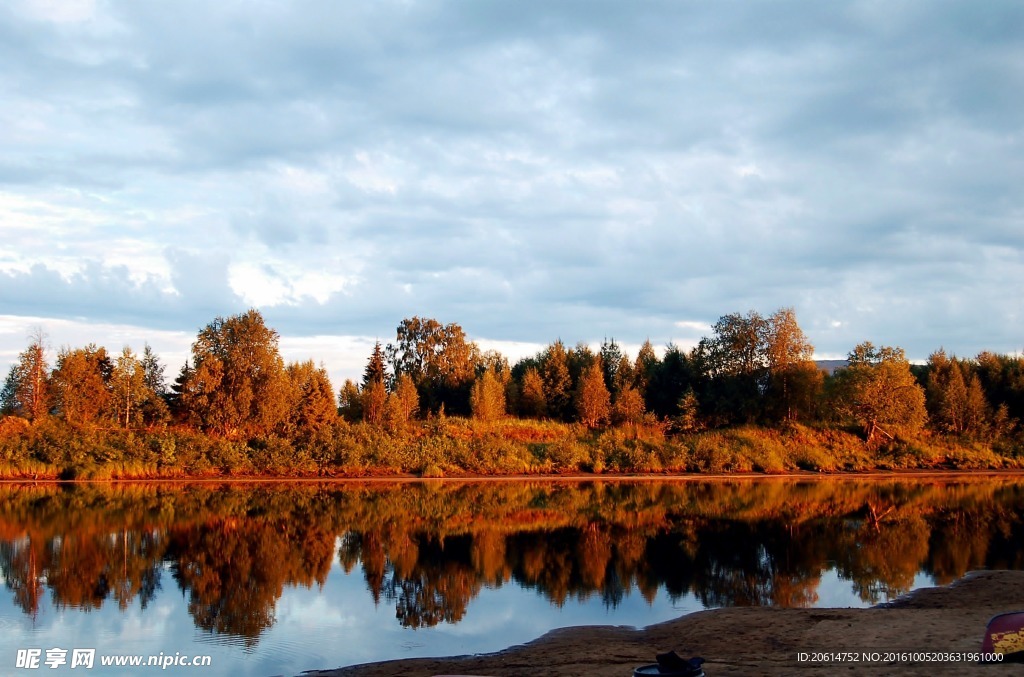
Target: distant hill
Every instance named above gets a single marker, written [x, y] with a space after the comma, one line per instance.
[829, 366]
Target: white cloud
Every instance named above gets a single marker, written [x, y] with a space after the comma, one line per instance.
[60, 11]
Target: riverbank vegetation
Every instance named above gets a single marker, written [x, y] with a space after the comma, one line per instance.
[748, 398]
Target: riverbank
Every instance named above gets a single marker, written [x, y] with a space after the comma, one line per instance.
[757, 640]
[456, 447]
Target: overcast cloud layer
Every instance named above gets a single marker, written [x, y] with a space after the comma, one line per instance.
[528, 170]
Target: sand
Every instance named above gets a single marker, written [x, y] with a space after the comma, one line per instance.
[759, 641]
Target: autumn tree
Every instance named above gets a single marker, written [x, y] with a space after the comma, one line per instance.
[311, 398]
[953, 396]
[879, 392]
[734, 363]
[350, 405]
[488, 396]
[404, 401]
[628, 407]
[578, 360]
[738, 346]
[646, 361]
[557, 382]
[438, 358]
[237, 383]
[374, 395]
[374, 399]
[128, 389]
[1002, 379]
[593, 403]
[794, 380]
[532, 402]
[81, 384]
[26, 391]
[625, 377]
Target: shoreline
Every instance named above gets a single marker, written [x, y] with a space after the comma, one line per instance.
[756, 640]
[852, 475]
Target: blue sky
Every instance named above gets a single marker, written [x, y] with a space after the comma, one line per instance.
[528, 170]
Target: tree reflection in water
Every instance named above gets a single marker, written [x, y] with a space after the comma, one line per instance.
[429, 549]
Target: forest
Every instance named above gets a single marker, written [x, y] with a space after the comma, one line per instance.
[749, 397]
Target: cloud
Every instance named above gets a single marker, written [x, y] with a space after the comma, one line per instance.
[574, 172]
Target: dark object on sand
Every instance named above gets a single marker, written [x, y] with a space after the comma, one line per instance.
[1005, 634]
[671, 664]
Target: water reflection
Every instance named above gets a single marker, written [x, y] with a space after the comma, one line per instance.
[428, 549]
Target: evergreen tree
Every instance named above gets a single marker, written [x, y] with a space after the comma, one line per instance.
[153, 370]
[174, 396]
[375, 372]
[646, 361]
[312, 398]
[611, 358]
[668, 379]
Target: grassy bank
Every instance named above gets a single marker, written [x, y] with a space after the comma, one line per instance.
[456, 446]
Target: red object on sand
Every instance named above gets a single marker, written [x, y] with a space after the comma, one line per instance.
[1005, 634]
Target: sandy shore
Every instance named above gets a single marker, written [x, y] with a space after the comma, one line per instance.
[757, 641]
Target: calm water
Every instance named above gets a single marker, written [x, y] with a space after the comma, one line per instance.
[274, 579]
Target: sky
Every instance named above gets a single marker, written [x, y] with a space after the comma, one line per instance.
[528, 170]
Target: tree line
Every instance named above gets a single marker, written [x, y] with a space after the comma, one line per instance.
[751, 370]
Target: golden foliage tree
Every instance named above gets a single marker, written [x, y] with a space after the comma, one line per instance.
[593, 402]
[954, 397]
[237, 384]
[81, 384]
[794, 381]
[879, 391]
[374, 398]
[629, 406]
[350, 404]
[557, 381]
[488, 396]
[532, 402]
[404, 402]
[312, 398]
[438, 358]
